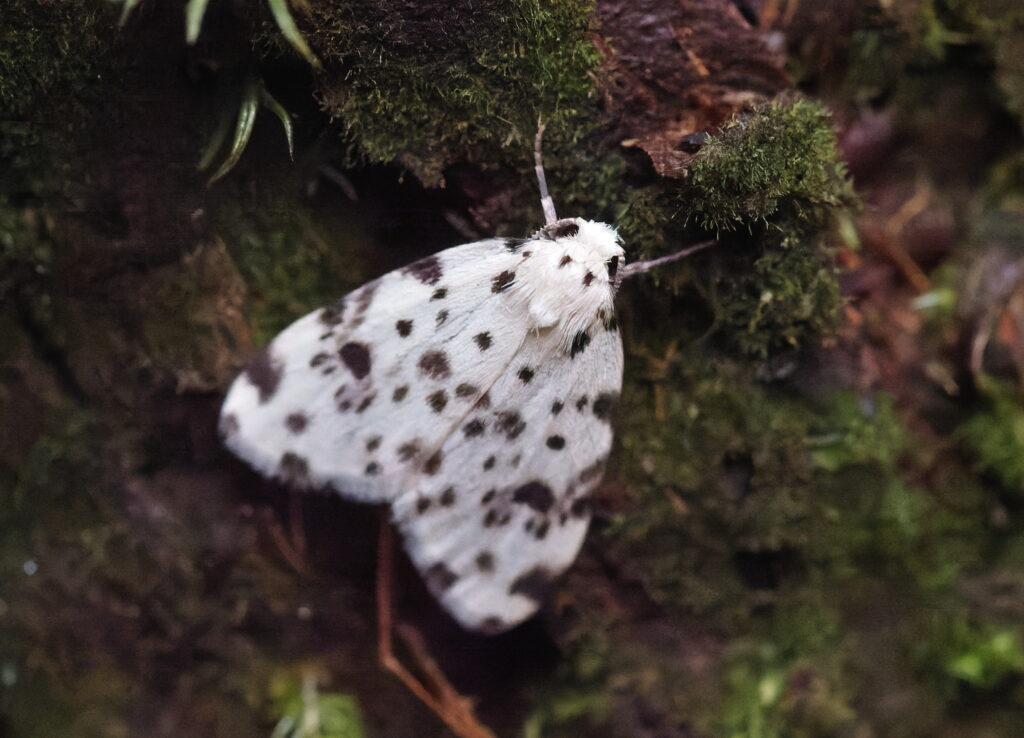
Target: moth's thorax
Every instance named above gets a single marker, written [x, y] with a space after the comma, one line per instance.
[568, 278]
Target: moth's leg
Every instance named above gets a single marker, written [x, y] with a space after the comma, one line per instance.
[297, 522]
[454, 709]
[285, 542]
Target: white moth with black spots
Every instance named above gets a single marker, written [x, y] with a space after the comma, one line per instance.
[472, 391]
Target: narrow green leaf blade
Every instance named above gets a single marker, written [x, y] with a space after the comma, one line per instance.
[243, 129]
[284, 20]
[194, 13]
[286, 120]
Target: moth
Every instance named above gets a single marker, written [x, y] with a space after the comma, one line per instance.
[473, 391]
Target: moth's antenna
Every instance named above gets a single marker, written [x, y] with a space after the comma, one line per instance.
[545, 197]
[640, 267]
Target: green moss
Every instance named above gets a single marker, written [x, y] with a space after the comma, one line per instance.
[290, 261]
[779, 163]
[859, 431]
[51, 58]
[726, 493]
[959, 651]
[996, 434]
[773, 175]
[473, 78]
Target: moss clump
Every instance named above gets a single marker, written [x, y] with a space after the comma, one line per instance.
[777, 164]
[474, 76]
[770, 183]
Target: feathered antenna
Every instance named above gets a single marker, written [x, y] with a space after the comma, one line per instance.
[545, 197]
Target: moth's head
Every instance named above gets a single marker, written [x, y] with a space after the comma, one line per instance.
[589, 242]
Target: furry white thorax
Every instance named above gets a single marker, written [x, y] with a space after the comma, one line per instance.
[573, 295]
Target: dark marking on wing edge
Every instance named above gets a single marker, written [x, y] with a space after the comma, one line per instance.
[439, 577]
[427, 270]
[332, 314]
[604, 405]
[264, 372]
[533, 584]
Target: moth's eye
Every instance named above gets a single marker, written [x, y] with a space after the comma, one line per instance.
[613, 266]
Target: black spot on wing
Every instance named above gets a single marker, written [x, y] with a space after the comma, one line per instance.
[447, 498]
[483, 340]
[435, 365]
[533, 584]
[264, 373]
[228, 425]
[332, 314]
[296, 422]
[408, 450]
[427, 270]
[579, 343]
[356, 356]
[556, 443]
[604, 405]
[433, 464]
[561, 229]
[511, 424]
[439, 294]
[535, 495]
[485, 562]
[514, 244]
[437, 400]
[404, 327]
[293, 469]
[400, 392]
[503, 281]
[439, 577]
[525, 374]
[474, 428]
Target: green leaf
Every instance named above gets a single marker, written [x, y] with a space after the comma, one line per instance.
[243, 128]
[277, 109]
[194, 12]
[216, 141]
[126, 10]
[286, 23]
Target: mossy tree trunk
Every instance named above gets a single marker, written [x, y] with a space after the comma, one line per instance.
[812, 521]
